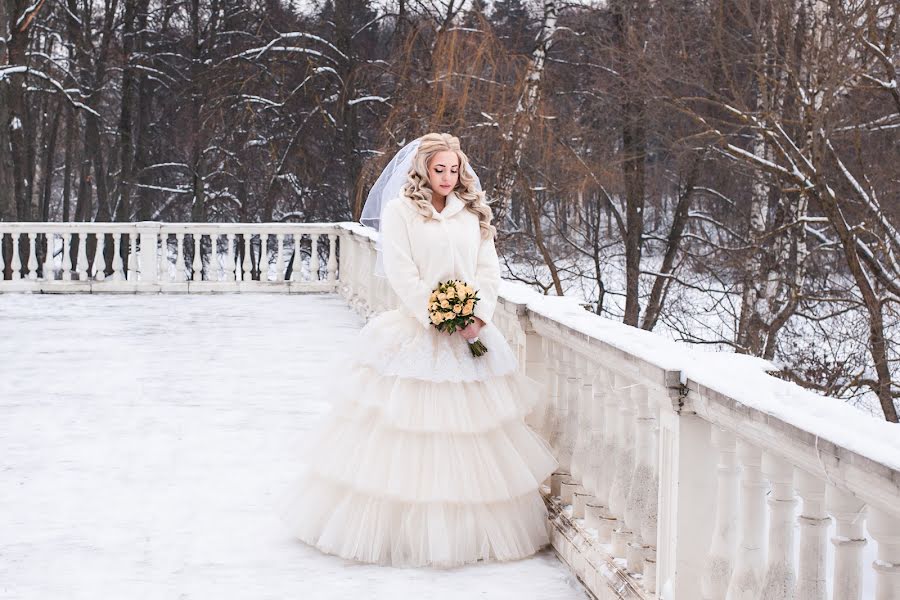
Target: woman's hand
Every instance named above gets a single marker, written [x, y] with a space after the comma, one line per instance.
[471, 330]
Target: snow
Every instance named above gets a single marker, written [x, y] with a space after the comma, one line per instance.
[7, 71]
[28, 12]
[144, 439]
[366, 99]
[738, 376]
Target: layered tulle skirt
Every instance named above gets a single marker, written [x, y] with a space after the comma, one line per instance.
[425, 458]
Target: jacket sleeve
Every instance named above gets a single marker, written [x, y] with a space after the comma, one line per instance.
[402, 272]
[487, 280]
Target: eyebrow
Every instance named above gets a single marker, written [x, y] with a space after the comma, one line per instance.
[443, 165]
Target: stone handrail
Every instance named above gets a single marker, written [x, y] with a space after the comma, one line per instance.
[683, 474]
[144, 257]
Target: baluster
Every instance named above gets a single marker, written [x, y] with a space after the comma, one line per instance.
[81, 262]
[612, 444]
[47, 267]
[750, 562]
[163, 256]
[332, 258]
[588, 424]
[618, 497]
[100, 257]
[16, 260]
[146, 262]
[296, 273]
[229, 273]
[248, 258]
[32, 256]
[553, 378]
[848, 512]
[535, 363]
[66, 261]
[557, 420]
[197, 261]
[574, 382]
[580, 499]
[581, 422]
[650, 518]
[813, 531]
[212, 265]
[604, 458]
[566, 410]
[117, 274]
[781, 579]
[180, 269]
[557, 433]
[349, 286]
[314, 258]
[720, 561]
[279, 257]
[638, 488]
[885, 529]
[131, 257]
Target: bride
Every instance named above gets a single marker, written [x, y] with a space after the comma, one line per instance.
[425, 458]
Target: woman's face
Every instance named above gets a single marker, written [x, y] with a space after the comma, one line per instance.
[443, 172]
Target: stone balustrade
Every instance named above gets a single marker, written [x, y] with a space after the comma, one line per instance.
[168, 257]
[683, 475]
[674, 482]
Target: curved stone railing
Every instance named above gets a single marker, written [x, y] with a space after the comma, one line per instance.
[683, 475]
[691, 475]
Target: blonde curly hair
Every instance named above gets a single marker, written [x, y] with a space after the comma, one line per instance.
[418, 190]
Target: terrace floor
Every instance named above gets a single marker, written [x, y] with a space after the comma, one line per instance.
[144, 439]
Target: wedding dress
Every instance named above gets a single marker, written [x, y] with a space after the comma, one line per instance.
[425, 458]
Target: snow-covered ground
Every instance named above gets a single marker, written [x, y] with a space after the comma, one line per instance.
[144, 440]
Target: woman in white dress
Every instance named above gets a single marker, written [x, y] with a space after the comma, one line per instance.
[425, 458]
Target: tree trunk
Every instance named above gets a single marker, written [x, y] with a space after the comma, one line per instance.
[526, 111]
[7, 189]
[48, 166]
[71, 126]
[535, 218]
[634, 148]
[17, 123]
[198, 207]
[673, 244]
[126, 150]
[873, 304]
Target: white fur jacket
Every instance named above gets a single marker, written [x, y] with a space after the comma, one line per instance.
[421, 252]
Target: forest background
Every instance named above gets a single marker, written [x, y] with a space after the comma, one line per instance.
[724, 172]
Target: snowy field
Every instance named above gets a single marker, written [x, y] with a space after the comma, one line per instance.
[144, 440]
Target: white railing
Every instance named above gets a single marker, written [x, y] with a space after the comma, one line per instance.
[682, 472]
[684, 475]
[168, 257]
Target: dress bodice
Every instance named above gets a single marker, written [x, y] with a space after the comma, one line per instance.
[420, 252]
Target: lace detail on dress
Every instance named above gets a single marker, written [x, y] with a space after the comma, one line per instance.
[393, 343]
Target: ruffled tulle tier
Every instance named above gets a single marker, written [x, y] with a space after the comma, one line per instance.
[435, 406]
[425, 457]
[372, 458]
[377, 529]
[393, 343]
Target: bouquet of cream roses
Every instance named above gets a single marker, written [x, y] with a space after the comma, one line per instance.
[451, 307]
